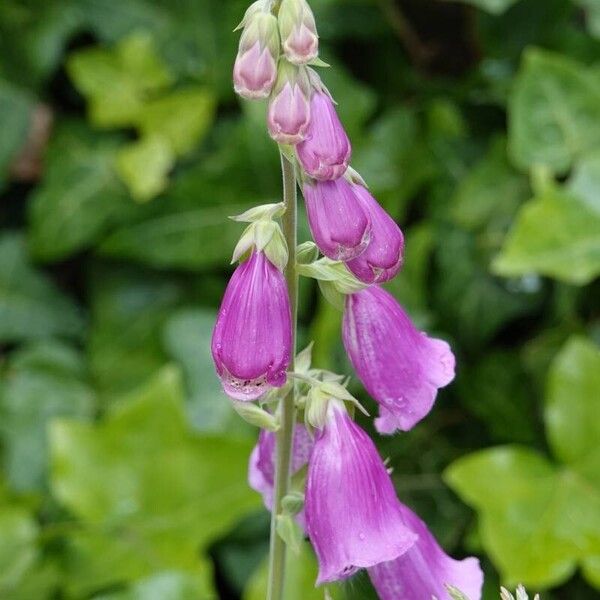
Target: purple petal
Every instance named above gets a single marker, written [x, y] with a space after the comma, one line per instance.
[400, 366]
[288, 115]
[339, 224]
[252, 338]
[352, 513]
[382, 258]
[422, 572]
[254, 72]
[325, 152]
[302, 45]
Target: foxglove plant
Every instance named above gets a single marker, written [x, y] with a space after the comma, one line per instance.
[318, 472]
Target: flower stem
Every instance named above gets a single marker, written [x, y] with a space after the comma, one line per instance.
[287, 413]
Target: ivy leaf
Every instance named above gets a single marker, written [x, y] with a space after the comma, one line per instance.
[80, 196]
[554, 112]
[117, 81]
[30, 304]
[40, 384]
[554, 234]
[148, 492]
[539, 520]
[585, 181]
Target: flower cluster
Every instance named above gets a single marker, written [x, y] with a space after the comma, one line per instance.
[344, 497]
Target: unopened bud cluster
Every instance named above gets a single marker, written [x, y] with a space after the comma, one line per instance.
[342, 495]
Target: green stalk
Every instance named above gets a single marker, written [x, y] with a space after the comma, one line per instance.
[287, 409]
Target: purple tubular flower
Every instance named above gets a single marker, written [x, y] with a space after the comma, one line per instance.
[423, 571]
[252, 338]
[325, 152]
[254, 72]
[352, 513]
[340, 225]
[261, 468]
[382, 259]
[399, 365]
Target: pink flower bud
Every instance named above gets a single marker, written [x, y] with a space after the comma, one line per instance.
[382, 259]
[261, 468]
[399, 365]
[352, 513]
[425, 569]
[255, 67]
[325, 152]
[298, 31]
[288, 115]
[339, 224]
[252, 338]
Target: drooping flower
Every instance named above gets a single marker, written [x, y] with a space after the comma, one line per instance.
[325, 152]
[251, 343]
[382, 258]
[298, 31]
[255, 67]
[338, 221]
[261, 468]
[423, 571]
[288, 115]
[400, 366]
[352, 513]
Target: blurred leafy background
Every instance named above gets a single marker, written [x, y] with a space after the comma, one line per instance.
[122, 151]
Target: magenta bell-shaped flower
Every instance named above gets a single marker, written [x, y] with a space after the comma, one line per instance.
[382, 259]
[400, 366]
[352, 513]
[298, 31]
[261, 468]
[339, 223]
[325, 152]
[255, 67]
[423, 571]
[252, 338]
[288, 115]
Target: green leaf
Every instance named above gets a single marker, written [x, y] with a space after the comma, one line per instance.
[556, 235]
[495, 7]
[585, 180]
[168, 585]
[194, 238]
[116, 82]
[144, 166]
[187, 338]
[536, 521]
[129, 308]
[30, 305]
[554, 112]
[149, 493]
[182, 117]
[16, 108]
[573, 401]
[592, 15]
[40, 384]
[80, 196]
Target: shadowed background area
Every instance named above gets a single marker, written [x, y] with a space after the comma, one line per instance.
[122, 151]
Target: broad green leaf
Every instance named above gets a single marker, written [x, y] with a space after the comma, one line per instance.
[18, 548]
[168, 585]
[117, 81]
[554, 112]
[195, 238]
[149, 493]
[585, 181]
[80, 196]
[182, 117]
[536, 521]
[573, 401]
[39, 385]
[30, 304]
[128, 310]
[16, 107]
[495, 7]
[144, 166]
[187, 338]
[555, 234]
